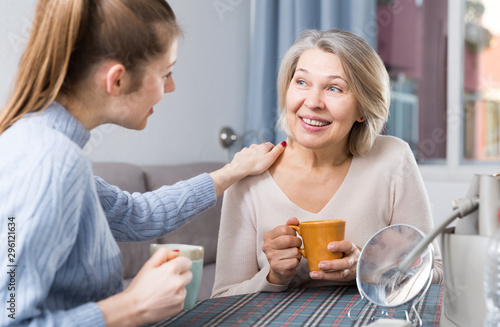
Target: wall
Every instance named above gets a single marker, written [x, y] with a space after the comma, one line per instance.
[15, 24]
[442, 193]
[210, 92]
[210, 77]
[211, 85]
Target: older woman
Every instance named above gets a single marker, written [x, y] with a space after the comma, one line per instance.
[334, 101]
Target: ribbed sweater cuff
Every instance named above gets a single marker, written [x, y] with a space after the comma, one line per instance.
[268, 287]
[88, 315]
[204, 189]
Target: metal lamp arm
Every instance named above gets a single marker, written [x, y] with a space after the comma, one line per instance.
[463, 208]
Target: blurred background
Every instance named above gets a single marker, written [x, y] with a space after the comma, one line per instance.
[442, 56]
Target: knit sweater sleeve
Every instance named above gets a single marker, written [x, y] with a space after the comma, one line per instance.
[136, 216]
[237, 269]
[44, 205]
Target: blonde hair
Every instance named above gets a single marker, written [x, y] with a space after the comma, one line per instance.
[69, 37]
[366, 75]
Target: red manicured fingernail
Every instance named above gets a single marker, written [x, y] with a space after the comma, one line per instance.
[283, 144]
[175, 250]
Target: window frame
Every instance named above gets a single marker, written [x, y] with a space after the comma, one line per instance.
[455, 167]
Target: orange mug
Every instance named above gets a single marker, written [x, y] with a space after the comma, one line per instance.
[315, 236]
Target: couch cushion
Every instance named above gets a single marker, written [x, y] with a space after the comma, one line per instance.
[201, 230]
[207, 282]
[130, 178]
[157, 176]
[126, 176]
[135, 255]
[204, 228]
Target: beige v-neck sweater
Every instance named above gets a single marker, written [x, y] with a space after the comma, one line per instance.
[382, 188]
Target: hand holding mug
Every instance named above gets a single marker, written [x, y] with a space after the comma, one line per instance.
[160, 286]
[329, 256]
[343, 269]
[195, 253]
[281, 246]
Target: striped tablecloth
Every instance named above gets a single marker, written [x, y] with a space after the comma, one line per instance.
[325, 306]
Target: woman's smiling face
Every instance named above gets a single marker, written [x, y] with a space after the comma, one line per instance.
[321, 108]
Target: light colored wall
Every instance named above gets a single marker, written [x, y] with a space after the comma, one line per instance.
[210, 77]
[442, 193]
[211, 85]
[15, 25]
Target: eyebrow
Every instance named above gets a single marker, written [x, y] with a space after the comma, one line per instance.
[172, 64]
[330, 77]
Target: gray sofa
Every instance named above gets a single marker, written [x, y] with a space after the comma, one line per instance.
[202, 230]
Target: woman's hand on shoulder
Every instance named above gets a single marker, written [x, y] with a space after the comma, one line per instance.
[253, 160]
[157, 292]
[339, 269]
[257, 158]
[281, 246]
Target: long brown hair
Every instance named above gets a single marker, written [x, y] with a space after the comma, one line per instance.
[69, 37]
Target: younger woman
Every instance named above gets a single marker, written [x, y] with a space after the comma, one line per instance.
[90, 62]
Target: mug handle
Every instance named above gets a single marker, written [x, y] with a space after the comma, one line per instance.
[297, 229]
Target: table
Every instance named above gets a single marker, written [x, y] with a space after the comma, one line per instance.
[324, 306]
